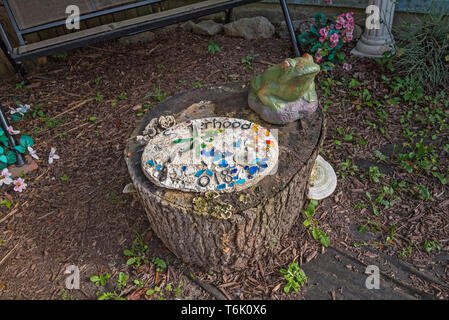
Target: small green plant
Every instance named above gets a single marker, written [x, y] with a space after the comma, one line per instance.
[295, 277]
[430, 245]
[317, 233]
[99, 97]
[123, 96]
[213, 47]
[158, 94]
[197, 85]
[138, 283]
[347, 168]
[122, 278]
[101, 279]
[65, 177]
[386, 61]
[20, 85]
[93, 119]
[137, 255]
[161, 265]
[5, 203]
[248, 60]
[375, 175]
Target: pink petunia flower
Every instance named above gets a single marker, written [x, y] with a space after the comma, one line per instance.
[5, 177]
[19, 185]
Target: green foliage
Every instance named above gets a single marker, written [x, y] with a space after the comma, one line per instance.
[317, 233]
[161, 265]
[423, 49]
[323, 49]
[295, 277]
[101, 279]
[248, 60]
[430, 245]
[137, 255]
[7, 153]
[213, 47]
[158, 94]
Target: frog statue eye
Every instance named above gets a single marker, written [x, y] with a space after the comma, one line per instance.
[286, 64]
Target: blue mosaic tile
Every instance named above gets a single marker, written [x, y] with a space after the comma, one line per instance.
[221, 186]
[199, 173]
[209, 172]
[150, 162]
[240, 181]
[253, 170]
[159, 167]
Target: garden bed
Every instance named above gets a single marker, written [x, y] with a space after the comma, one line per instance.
[73, 211]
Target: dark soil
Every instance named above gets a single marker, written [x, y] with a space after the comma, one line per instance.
[87, 221]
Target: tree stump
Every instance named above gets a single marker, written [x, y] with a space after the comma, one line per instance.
[260, 214]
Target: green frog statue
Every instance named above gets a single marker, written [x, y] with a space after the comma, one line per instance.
[285, 92]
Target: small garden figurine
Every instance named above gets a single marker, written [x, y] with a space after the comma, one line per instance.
[285, 92]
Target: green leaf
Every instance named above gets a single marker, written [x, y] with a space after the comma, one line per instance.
[11, 157]
[3, 159]
[26, 141]
[127, 253]
[19, 148]
[314, 31]
[131, 261]
[3, 165]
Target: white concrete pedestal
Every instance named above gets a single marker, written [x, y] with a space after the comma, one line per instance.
[374, 42]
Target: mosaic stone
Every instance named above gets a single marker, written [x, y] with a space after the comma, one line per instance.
[185, 157]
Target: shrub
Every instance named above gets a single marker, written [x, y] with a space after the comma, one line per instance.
[423, 49]
[327, 37]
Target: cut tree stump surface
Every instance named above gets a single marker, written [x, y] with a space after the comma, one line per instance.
[261, 213]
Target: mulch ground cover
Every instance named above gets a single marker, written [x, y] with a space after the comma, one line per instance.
[73, 212]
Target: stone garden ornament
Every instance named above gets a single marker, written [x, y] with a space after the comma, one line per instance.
[285, 92]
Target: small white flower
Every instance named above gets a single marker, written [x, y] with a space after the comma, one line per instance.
[52, 156]
[33, 153]
[12, 131]
[5, 177]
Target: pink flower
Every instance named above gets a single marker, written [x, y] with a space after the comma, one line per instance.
[349, 36]
[324, 32]
[52, 155]
[347, 66]
[12, 131]
[32, 153]
[338, 26]
[5, 177]
[322, 39]
[20, 185]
